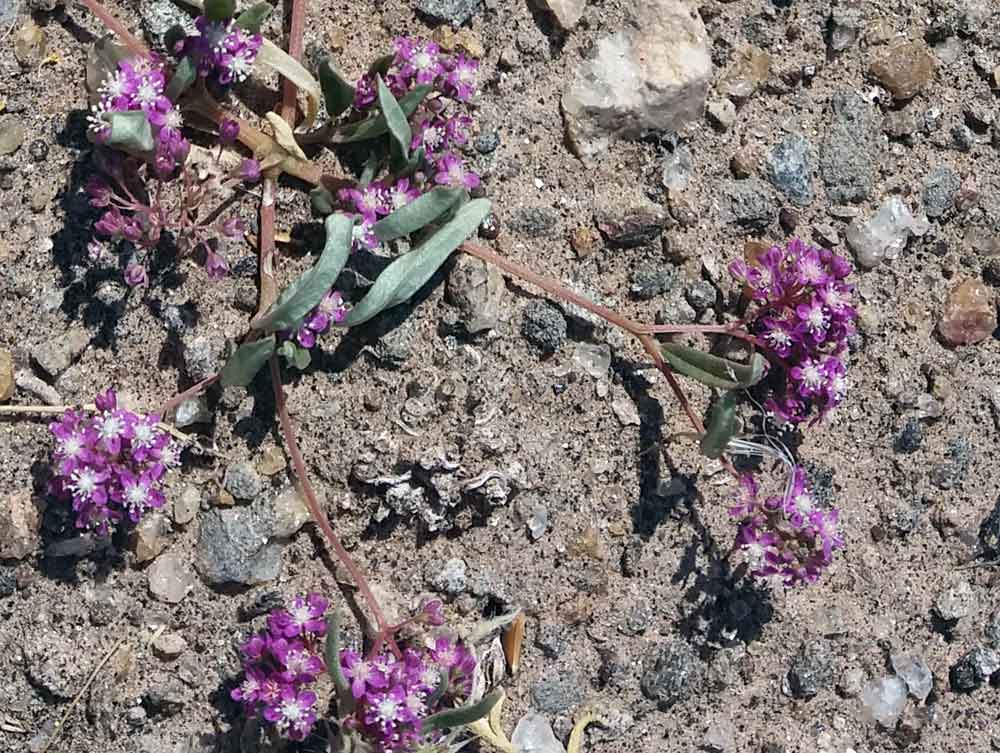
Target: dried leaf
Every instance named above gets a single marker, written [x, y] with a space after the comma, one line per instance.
[575, 743]
[513, 639]
[274, 58]
[284, 136]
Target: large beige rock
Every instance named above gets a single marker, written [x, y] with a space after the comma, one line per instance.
[653, 75]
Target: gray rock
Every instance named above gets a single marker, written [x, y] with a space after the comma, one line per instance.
[748, 203]
[534, 222]
[544, 326]
[676, 310]
[900, 124]
[234, 546]
[56, 355]
[450, 578]
[915, 673]
[849, 152]
[973, 669]
[454, 12]
[672, 673]
[678, 167]
[955, 602]
[721, 113]
[487, 142]
[475, 288]
[397, 330]
[650, 280]
[989, 532]
[651, 76]
[962, 138]
[8, 11]
[632, 230]
[551, 639]
[789, 169]
[566, 12]
[910, 437]
[558, 694]
[637, 619]
[192, 411]
[202, 356]
[158, 17]
[701, 295]
[291, 512]
[951, 473]
[883, 700]
[940, 189]
[992, 630]
[243, 481]
[845, 23]
[812, 670]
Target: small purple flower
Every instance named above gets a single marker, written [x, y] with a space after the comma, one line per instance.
[216, 265]
[361, 674]
[451, 172]
[250, 171]
[233, 227]
[135, 275]
[304, 615]
[229, 131]
[460, 82]
[292, 713]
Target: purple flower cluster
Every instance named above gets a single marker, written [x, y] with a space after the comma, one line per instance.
[139, 84]
[787, 536]
[110, 465]
[394, 693]
[802, 321]
[281, 664]
[221, 50]
[329, 311]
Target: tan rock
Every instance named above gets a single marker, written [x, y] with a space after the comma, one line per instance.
[566, 12]
[970, 314]
[20, 520]
[6, 376]
[905, 69]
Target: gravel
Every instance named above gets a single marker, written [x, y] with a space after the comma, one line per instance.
[544, 326]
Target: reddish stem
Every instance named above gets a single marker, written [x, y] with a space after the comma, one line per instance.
[289, 100]
[188, 393]
[117, 27]
[268, 289]
[313, 504]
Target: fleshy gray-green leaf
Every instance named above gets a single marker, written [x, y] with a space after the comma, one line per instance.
[244, 364]
[459, 717]
[345, 698]
[184, 75]
[130, 131]
[418, 213]
[295, 355]
[302, 295]
[321, 201]
[721, 426]
[381, 65]
[254, 17]
[337, 93]
[399, 129]
[219, 10]
[409, 272]
[376, 125]
[713, 370]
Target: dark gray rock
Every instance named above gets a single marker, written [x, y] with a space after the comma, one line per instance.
[849, 152]
[910, 437]
[534, 222]
[637, 619]
[454, 12]
[243, 481]
[973, 669]
[672, 673]
[992, 630]
[962, 138]
[543, 326]
[650, 280]
[789, 169]
[940, 188]
[989, 532]
[234, 546]
[558, 694]
[487, 142]
[748, 203]
[812, 670]
[952, 471]
[631, 231]
[551, 639]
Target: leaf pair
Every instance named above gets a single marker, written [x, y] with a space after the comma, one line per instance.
[713, 371]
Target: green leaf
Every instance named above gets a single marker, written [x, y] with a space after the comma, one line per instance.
[400, 134]
[321, 201]
[345, 698]
[337, 93]
[453, 718]
[370, 169]
[244, 364]
[713, 370]
[130, 131]
[295, 355]
[219, 10]
[302, 295]
[376, 125]
[184, 75]
[409, 272]
[381, 65]
[420, 212]
[721, 426]
[254, 17]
